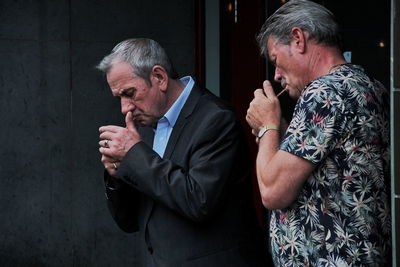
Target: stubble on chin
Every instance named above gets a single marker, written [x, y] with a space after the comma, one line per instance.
[283, 84]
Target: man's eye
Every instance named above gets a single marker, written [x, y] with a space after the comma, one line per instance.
[129, 93]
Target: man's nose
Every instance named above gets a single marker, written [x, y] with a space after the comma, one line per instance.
[126, 106]
[277, 76]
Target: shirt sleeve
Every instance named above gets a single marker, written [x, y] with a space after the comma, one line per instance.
[320, 121]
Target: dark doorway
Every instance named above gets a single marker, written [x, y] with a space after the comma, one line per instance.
[242, 70]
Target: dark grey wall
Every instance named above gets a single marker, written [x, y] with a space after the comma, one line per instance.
[52, 102]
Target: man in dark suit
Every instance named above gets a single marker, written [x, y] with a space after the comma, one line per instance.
[179, 171]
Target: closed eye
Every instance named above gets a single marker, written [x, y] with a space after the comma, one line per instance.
[129, 92]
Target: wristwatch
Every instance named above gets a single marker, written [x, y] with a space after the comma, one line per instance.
[266, 128]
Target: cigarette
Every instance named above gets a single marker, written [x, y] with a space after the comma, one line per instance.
[281, 92]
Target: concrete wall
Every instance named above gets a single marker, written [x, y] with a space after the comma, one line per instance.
[52, 102]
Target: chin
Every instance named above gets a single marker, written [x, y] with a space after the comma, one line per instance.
[148, 123]
[293, 94]
[139, 123]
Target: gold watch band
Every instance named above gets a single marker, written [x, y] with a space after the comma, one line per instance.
[266, 128]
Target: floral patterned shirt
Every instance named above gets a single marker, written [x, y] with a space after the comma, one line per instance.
[342, 215]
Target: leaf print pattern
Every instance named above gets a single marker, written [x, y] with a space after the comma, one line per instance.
[341, 216]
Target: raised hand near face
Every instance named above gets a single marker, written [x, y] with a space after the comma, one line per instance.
[264, 109]
[115, 142]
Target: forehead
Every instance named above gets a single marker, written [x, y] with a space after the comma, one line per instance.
[119, 72]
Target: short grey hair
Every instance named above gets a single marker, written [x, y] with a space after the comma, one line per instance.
[311, 17]
[142, 54]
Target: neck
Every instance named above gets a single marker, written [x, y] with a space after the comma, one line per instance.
[324, 60]
[175, 88]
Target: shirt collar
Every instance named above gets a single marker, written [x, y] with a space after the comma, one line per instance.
[174, 111]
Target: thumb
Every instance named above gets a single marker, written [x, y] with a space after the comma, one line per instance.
[129, 122]
[268, 90]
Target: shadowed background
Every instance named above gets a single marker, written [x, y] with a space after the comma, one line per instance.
[52, 102]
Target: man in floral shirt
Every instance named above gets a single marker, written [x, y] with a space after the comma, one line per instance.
[326, 179]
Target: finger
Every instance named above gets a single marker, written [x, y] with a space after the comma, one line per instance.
[106, 152]
[115, 165]
[248, 118]
[106, 160]
[129, 122]
[110, 168]
[268, 90]
[111, 165]
[109, 128]
[104, 143]
[258, 93]
[107, 135]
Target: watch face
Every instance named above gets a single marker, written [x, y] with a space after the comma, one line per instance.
[261, 132]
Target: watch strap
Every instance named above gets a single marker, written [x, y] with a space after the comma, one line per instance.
[266, 128]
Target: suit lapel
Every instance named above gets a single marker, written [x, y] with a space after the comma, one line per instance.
[186, 111]
[147, 134]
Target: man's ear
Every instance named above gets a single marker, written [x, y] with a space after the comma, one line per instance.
[299, 39]
[159, 77]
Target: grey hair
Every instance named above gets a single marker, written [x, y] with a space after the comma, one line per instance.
[142, 54]
[311, 17]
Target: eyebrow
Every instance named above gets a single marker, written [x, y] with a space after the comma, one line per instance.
[120, 92]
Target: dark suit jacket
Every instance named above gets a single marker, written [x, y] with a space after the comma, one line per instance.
[194, 206]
